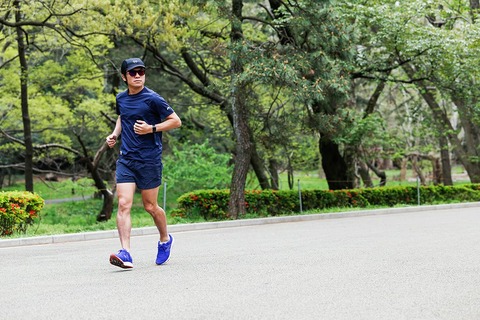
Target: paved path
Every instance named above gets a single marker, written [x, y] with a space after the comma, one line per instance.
[421, 264]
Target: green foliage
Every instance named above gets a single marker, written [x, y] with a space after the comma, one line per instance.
[80, 216]
[314, 62]
[208, 204]
[18, 210]
[329, 44]
[196, 166]
[440, 46]
[213, 204]
[65, 58]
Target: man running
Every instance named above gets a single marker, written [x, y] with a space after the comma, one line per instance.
[142, 117]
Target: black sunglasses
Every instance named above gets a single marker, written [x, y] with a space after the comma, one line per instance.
[140, 72]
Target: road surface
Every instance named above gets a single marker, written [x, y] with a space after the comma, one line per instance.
[410, 265]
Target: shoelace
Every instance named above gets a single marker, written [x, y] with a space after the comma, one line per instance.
[164, 246]
[123, 254]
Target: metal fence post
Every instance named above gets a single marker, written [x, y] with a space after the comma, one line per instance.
[300, 196]
[418, 190]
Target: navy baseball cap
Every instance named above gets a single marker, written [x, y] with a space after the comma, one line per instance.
[131, 63]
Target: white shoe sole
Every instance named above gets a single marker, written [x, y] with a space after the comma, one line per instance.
[116, 261]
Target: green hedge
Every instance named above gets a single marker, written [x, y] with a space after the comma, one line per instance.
[18, 210]
[213, 204]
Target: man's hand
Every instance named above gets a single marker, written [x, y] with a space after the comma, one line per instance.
[141, 127]
[111, 140]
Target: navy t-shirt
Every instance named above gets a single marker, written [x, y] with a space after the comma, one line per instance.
[149, 106]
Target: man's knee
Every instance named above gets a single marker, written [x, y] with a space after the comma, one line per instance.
[154, 209]
[150, 207]
[124, 205]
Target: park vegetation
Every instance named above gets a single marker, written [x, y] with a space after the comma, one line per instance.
[213, 204]
[18, 211]
[349, 89]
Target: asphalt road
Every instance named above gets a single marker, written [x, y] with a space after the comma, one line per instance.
[410, 265]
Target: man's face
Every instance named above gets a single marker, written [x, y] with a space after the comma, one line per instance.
[135, 77]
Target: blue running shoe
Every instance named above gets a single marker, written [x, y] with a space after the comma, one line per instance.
[122, 259]
[164, 251]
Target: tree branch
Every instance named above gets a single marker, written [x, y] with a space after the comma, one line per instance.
[40, 147]
[12, 138]
[410, 81]
[8, 61]
[194, 67]
[172, 70]
[399, 63]
[110, 119]
[56, 145]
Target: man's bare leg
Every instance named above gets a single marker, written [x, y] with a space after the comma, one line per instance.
[150, 203]
[125, 192]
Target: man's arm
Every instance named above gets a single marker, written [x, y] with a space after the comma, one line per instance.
[112, 139]
[170, 122]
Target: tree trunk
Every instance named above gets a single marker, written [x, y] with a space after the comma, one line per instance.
[92, 167]
[436, 167]
[349, 156]
[236, 205]
[273, 169]
[334, 165]
[259, 169]
[2, 178]
[372, 102]
[379, 173]
[403, 169]
[437, 171]
[107, 208]
[364, 174]
[445, 127]
[290, 173]
[471, 130]
[445, 161]
[27, 130]
[418, 170]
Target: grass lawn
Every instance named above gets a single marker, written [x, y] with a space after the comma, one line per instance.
[82, 188]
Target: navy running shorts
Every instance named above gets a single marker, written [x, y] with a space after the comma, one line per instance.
[145, 175]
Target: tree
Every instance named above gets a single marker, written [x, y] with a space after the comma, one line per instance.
[318, 44]
[236, 205]
[55, 42]
[189, 58]
[425, 44]
[29, 19]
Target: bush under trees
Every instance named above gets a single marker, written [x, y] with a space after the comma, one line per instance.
[18, 210]
[213, 204]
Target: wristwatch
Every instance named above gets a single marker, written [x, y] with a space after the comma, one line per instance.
[154, 128]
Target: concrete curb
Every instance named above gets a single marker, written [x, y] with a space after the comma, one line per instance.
[96, 235]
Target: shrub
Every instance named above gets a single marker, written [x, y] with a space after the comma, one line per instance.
[18, 210]
[213, 204]
[208, 204]
[196, 167]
